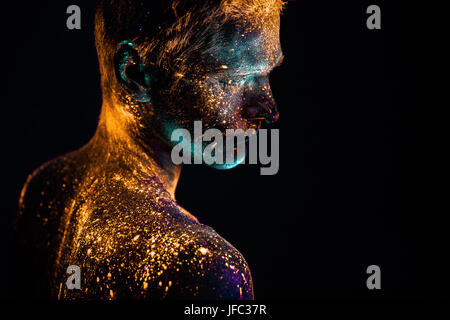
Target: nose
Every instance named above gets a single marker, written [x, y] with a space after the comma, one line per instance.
[260, 108]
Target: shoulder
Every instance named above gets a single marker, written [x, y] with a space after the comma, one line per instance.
[48, 179]
[209, 267]
[36, 225]
[188, 261]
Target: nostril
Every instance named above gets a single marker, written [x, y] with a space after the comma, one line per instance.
[272, 117]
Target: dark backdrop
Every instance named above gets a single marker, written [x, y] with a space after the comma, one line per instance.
[342, 199]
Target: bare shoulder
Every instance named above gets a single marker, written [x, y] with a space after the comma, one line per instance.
[210, 267]
[37, 231]
[43, 196]
[169, 259]
[51, 180]
[127, 244]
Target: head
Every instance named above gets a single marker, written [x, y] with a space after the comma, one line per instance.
[167, 63]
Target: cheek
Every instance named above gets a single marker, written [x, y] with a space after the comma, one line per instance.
[223, 101]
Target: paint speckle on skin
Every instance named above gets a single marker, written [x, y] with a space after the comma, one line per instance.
[110, 206]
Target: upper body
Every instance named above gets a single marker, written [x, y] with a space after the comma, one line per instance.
[127, 234]
[109, 208]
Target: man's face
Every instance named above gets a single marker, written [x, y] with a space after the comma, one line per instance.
[226, 85]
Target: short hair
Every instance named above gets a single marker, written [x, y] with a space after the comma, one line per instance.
[166, 31]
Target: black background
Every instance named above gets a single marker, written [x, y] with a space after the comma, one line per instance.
[343, 198]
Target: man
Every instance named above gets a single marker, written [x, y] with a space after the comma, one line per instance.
[109, 208]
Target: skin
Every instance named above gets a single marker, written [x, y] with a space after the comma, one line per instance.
[230, 89]
[110, 207]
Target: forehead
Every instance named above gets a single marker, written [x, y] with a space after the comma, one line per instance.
[243, 48]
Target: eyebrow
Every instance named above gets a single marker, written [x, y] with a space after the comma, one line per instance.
[267, 69]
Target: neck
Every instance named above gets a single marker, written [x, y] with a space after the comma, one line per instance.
[135, 158]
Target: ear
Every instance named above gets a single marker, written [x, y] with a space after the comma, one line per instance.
[131, 73]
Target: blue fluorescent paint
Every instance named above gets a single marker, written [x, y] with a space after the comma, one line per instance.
[127, 42]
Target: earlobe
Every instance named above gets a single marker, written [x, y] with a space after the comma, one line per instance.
[131, 73]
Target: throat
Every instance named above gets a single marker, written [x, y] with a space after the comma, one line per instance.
[140, 166]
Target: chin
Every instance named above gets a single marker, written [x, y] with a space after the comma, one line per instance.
[228, 166]
[224, 166]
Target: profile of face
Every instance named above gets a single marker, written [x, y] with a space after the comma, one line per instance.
[110, 206]
[224, 83]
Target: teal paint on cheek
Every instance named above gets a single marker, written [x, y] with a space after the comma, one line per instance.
[189, 145]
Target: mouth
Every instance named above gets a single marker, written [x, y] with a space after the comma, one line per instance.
[255, 123]
[261, 112]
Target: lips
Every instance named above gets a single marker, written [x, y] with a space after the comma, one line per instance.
[261, 111]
